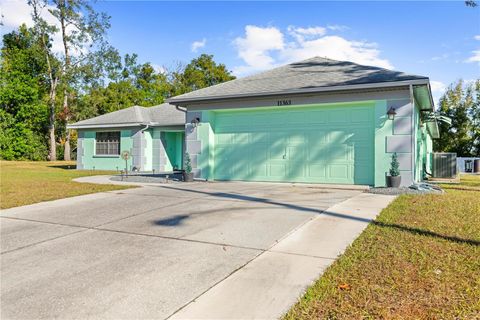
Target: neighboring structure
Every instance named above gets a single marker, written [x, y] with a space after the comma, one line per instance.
[153, 136]
[315, 121]
[466, 164]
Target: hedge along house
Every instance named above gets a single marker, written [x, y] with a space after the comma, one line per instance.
[153, 136]
[314, 121]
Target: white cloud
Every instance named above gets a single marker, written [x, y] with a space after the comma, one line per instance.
[264, 48]
[301, 33]
[338, 48]
[337, 27]
[198, 44]
[475, 57]
[255, 48]
[17, 12]
[438, 88]
[477, 37]
[158, 68]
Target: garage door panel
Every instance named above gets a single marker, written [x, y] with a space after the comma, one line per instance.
[297, 117]
[317, 117]
[242, 138]
[225, 138]
[278, 170]
[361, 115]
[296, 138]
[316, 137]
[259, 137]
[317, 170]
[338, 171]
[339, 116]
[323, 145]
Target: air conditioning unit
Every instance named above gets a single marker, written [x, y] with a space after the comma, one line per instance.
[444, 165]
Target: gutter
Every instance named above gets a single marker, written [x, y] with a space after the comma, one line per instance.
[94, 126]
[178, 101]
[120, 125]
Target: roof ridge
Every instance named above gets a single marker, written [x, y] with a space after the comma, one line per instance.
[138, 113]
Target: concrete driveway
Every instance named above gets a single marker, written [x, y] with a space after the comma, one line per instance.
[148, 252]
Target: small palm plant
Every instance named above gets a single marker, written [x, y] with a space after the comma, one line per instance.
[188, 175]
[394, 165]
[394, 179]
[188, 163]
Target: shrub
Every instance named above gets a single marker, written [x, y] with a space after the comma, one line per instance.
[394, 165]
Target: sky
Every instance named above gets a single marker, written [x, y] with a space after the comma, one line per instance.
[438, 39]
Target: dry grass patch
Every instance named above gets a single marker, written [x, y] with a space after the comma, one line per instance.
[25, 182]
[418, 260]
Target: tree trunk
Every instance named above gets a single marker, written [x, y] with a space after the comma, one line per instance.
[66, 111]
[52, 145]
[52, 153]
[66, 150]
[66, 147]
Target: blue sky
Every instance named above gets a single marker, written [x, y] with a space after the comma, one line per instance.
[437, 39]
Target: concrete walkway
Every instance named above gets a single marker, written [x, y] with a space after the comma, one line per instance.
[105, 179]
[270, 284]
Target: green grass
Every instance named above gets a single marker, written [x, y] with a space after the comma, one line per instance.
[420, 259]
[25, 182]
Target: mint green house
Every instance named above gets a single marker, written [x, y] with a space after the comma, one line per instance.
[314, 121]
[154, 138]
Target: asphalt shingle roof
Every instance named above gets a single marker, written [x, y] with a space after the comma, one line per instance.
[162, 115]
[309, 74]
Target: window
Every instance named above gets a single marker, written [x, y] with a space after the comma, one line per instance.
[107, 143]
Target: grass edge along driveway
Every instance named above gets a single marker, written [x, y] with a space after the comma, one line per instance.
[28, 182]
[417, 260]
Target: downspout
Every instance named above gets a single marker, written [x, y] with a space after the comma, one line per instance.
[184, 147]
[413, 134]
[142, 147]
[180, 109]
[146, 127]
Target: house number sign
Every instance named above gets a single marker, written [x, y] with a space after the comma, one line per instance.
[284, 102]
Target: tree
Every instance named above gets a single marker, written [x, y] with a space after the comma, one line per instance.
[43, 31]
[471, 3]
[475, 116]
[23, 111]
[200, 73]
[460, 103]
[130, 84]
[82, 30]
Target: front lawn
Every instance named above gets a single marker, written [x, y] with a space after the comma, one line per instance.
[25, 183]
[420, 259]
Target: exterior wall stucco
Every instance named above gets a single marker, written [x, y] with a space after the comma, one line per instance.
[90, 161]
[388, 140]
[146, 148]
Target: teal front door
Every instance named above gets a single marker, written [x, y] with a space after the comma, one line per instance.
[316, 145]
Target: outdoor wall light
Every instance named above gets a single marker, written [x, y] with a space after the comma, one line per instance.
[391, 113]
[195, 122]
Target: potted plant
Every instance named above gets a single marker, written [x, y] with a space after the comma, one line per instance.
[187, 173]
[394, 179]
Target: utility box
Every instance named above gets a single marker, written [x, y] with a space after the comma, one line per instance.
[444, 165]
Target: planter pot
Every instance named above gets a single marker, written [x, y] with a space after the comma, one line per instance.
[188, 177]
[394, 182]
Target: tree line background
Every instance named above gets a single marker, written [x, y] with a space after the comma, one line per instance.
[41, 90]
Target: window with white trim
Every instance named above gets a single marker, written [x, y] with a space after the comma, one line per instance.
[107, 143]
